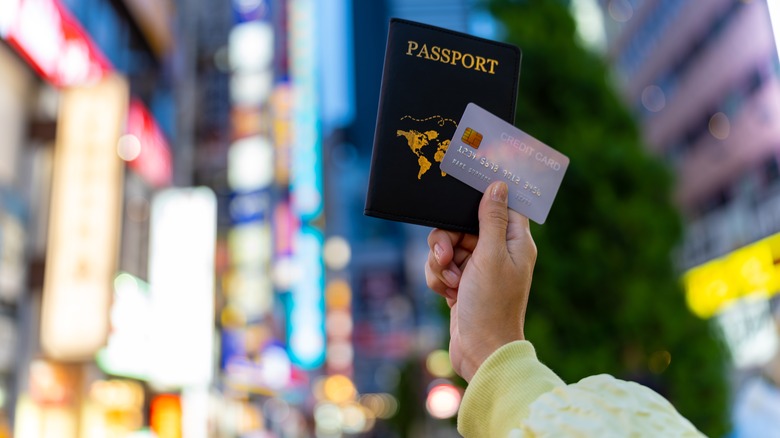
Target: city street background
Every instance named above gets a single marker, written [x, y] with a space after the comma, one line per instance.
[183, 249]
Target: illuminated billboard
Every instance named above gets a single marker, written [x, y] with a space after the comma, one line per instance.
[748, 271]
[734, 290]
[127, 350]
[52, 41]
[306, 318]
[84, 220]
[181, 280]
[306, 175]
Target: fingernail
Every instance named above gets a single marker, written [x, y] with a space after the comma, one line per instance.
[437, 251]
[450, 278]
[500, 192]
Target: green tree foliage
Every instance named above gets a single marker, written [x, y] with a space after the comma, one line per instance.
[606, 297]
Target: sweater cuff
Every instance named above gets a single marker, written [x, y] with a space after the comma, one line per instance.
[503, 387]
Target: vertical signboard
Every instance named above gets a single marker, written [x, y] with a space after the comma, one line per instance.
[84, 220]
[181, 280]
[306, 321]
[306, 162]
[306, 310]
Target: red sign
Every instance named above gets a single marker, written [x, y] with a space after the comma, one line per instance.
[153, 162]
[54, 43]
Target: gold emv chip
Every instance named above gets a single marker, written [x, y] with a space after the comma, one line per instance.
[472, 138]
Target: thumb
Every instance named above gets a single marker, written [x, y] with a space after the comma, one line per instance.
[493, 215]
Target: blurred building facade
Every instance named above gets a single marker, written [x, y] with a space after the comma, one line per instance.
[703, 79]
[85, 94]
[182, 245]
[16, 88]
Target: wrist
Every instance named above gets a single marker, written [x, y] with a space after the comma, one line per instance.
[482, 352]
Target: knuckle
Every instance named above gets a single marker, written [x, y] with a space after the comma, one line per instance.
[497, 215]
[532, 250]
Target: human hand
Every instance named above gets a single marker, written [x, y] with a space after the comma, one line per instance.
[486, 280]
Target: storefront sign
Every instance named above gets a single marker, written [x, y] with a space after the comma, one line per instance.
[746, 272]
[181, 278]
[153, 159]
[84, 222]
[52, 41]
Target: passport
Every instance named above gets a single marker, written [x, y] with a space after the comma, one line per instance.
[430, 75]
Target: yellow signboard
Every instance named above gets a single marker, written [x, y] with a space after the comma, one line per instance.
[749, 271]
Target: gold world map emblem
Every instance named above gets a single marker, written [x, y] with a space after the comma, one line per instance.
[428, 139]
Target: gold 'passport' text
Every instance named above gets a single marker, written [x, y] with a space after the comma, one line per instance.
[452, 57]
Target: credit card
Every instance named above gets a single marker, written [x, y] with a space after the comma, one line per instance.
[485, 148]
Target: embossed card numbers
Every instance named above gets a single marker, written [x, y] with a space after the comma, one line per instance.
[430, 75]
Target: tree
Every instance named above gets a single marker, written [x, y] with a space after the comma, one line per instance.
[606, 297]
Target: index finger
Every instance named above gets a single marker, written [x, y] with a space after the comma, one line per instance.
[442, 244]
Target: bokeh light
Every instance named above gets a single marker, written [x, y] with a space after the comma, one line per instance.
[620, 10]
[382, 405]
[443, 401]
[354, 418]
[720, 126]
[128, 147]
[659, 361]
[438, 363]
[653, 98]
[340, 354]
[339, 389]
[339, 324]
[337, 253]
[328, 418]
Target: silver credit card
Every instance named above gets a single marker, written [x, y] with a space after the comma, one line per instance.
[485, 148]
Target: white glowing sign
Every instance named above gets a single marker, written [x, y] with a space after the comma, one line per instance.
[251, 46]
[127, 351]
[749, 330]
[181, 279]
[84, 223]
[251, 164]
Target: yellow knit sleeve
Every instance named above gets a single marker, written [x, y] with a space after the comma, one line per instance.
[500, 393]
[514, 395]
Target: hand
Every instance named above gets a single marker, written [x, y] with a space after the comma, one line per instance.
[486, 280]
